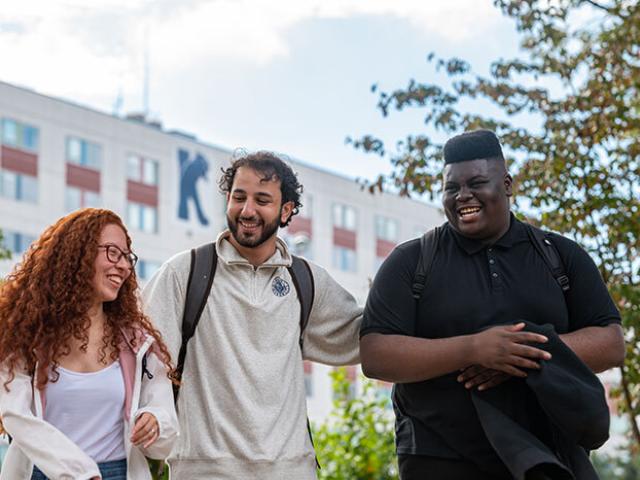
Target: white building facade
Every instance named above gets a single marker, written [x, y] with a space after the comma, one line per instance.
[56, 156]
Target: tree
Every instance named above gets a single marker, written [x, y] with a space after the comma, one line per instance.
[617, 468]
[356, 442]
[577, 169]
[4, 253]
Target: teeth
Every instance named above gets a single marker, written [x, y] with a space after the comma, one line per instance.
[468, 210]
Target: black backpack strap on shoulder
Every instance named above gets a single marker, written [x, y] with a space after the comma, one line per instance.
[428, 247]
[549, 253]
[204, 260]
[302, 278]
[305, 288]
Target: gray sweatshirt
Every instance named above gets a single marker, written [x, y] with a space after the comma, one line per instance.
[242, 404]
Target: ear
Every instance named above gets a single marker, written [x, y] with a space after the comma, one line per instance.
[508, 184]
[285, 213]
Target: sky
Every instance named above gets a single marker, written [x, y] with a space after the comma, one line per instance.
[291, 76]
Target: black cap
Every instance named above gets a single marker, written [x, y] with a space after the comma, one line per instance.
[472, 145]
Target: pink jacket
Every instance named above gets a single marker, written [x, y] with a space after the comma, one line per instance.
[37, 442]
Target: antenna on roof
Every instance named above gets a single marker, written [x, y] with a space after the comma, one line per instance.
[145, 79]
[117, 103]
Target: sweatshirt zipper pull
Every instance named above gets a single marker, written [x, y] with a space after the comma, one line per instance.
[144, 368]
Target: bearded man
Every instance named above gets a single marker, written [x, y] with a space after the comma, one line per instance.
[242, 402]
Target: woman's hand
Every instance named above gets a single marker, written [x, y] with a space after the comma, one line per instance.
[145, 431]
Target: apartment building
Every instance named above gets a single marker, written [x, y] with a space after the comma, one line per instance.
[56, 156]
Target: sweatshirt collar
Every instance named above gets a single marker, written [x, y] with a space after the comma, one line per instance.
[229, 255]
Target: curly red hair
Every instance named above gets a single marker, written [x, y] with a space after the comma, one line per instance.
[45, 301]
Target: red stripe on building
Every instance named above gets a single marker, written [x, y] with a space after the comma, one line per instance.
[141, 193]
[19, 161]
[308, 367]
[344, 238]
[83, 177]
[300, 225]
[384, 247]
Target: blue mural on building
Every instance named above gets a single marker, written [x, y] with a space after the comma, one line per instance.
[190, 172]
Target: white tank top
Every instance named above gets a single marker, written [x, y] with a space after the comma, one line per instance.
[88, 409]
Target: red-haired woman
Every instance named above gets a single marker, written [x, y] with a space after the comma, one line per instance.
[85, 391]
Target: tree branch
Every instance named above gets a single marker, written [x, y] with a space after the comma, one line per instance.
[608, 10]
[630, 406]
[597, 5]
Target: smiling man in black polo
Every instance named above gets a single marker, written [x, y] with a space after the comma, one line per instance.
[469, 331]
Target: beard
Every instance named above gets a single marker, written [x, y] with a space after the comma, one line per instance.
[252, 241]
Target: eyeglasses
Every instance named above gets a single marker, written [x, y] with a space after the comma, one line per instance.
[114, 254]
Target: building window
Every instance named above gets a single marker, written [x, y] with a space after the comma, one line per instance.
[307, 205]
[308, 378]
[344, 238]
[20, 135]
[299, 243]
[142, 217]
[344, 217]
[419, 231]
[142, 170]
[17, 243]
[76, 198]
[18, 186]
[387, 229]
[146, 268]
[387, 234]
[84, 153]
[377, 263]
[344, 259]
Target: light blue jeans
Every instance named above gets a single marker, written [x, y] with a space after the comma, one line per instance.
[115, 470]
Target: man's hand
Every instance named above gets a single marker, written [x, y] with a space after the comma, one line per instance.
[507, 349]
[481, 377]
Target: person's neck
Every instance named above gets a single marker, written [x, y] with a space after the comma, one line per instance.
[97, 316]
[256, 256]
[95, 331]
[505, 228]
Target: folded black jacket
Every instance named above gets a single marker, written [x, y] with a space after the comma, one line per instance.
[573, 404]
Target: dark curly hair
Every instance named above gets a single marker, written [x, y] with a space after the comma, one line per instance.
[271, 167]
[44, 302]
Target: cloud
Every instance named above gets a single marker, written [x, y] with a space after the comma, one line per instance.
[74, 45]
[255, 30]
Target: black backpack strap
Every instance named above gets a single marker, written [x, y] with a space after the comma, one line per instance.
[204, 260]
[428, 247]
[305, 288]
[549, 253]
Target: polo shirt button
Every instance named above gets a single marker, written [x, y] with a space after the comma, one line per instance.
[494, 275]
[492, 261]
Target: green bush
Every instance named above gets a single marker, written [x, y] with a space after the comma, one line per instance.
[159, 471]
[356, 442]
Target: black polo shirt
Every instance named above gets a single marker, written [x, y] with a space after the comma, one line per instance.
[470, 288]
